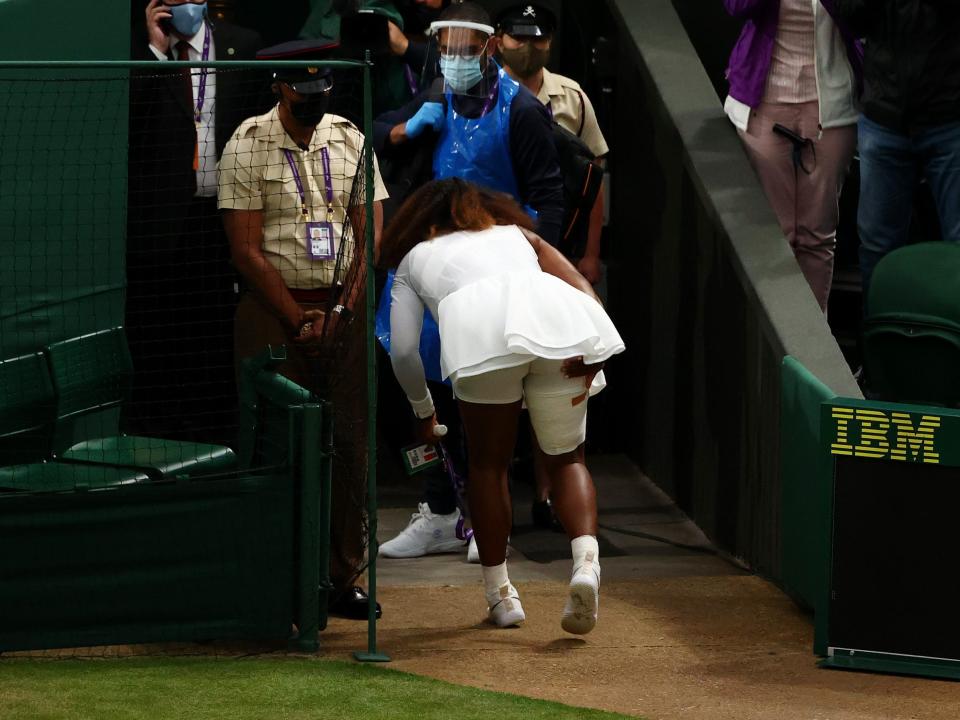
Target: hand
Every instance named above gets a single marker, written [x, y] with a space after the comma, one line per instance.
[398, 41]
[156, 13]
[430, 115]
[424, 430]
[575, 367]
[591, 268]
[311, 332]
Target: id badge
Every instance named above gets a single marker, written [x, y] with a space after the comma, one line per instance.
[320, 243]
[419, 457]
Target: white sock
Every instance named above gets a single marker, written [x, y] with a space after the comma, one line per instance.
[494, 577]
[585, 548]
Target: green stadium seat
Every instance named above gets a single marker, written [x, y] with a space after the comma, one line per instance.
[92, 375]
[166, 458]
[266, 402]
[27, 409]
[27, 413]
[911, 339]
[66, 477]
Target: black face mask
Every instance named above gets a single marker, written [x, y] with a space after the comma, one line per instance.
[525, 60]
[309, 112]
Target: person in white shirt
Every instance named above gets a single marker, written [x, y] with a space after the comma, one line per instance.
[180, 285]
[517, 323]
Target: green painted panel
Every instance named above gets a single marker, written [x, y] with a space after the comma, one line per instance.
[896, 665]
[148, 562]
[63, 170]
[64, 30]
[806, 482]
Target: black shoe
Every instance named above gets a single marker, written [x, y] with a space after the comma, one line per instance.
[543, 516]
[352, 604]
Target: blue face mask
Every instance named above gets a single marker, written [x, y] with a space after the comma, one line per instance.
[461, 73]
[187, 18]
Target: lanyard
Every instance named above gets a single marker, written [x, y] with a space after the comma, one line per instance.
[411, 81]
[492, 98]
[202, 89]
[327, 181]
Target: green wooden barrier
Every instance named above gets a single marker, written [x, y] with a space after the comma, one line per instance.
[150, 562]
[806, 475]
[239, 555]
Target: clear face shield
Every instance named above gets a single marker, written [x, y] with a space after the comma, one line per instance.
[463, 49]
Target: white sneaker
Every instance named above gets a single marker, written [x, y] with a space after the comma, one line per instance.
[473, 555]
[505, 608]
[426, 534]
[583, 600]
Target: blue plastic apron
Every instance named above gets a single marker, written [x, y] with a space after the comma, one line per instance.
[475, 149]
[429, 334]
[478, 149]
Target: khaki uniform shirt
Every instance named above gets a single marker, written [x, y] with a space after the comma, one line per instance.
[255, 175]
[572, 110]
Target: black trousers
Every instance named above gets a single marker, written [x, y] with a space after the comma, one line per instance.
[339, 375]
[438, 491]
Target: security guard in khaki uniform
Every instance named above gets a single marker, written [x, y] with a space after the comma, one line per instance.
[291, 212]
[526, 34]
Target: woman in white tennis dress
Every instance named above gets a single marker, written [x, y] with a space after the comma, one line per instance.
[518, 324]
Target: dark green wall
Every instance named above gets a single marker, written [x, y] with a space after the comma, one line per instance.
[63, 167]
[707, 296]
[62, 30]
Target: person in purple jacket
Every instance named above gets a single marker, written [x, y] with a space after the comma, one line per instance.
[794, 77]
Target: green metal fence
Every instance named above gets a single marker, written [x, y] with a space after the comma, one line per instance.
[65, 232]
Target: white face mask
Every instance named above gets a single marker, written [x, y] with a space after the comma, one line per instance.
[461, 73]
[187, 18]
[462, 45]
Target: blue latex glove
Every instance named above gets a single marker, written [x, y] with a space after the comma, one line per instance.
[430, 115]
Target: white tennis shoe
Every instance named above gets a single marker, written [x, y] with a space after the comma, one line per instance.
[504, 607]
[426, 534]
[583, 598]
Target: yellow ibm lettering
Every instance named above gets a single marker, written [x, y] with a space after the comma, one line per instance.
[841, 445]
[874, 427]
[915, 444]
[909, 443]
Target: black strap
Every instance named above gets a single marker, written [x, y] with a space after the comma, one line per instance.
[583, 114]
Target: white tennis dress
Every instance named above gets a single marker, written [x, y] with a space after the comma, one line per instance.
[495, 307]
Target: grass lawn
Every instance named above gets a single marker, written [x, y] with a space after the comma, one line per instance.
[237, 689]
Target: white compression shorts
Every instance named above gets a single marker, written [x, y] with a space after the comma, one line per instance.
[557, 404]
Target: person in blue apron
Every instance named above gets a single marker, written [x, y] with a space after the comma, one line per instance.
[487, 128]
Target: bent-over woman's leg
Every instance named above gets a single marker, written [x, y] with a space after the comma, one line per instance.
[572, 492]
[490, 409]
[558, 413]
[491, 432]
